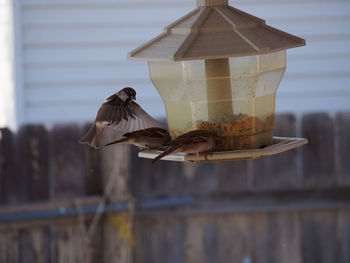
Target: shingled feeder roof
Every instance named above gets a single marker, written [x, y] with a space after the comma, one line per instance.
[218, 31]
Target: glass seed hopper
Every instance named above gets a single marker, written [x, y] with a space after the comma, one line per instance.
[218, 68]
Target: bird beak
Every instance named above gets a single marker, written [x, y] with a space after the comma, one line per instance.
[133, 97]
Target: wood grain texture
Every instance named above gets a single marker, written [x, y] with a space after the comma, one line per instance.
[318, 155]
[150, 237]
[233, 175]
[342, 146]
[319, 237]
[200, 178]
[70, 243]
[175, 239]
[261, 172]
[9, 178]
[67, 161]
[285, 237]
[9, 246]
[276, 237]
[261, 238]
[167, 177]
[142, 231]
[32, 150]
[239, 248]
[35, 245]
[142, 175]
[284, 167]
[278, 170]
[115, 172]
[201, 239]
[92, 167]
[159, 239]
[156, 178]
[116, 177]
[344, 235]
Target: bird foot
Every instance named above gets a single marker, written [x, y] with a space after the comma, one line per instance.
[206, 153]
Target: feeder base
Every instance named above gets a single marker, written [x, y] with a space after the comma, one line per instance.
[280, 144]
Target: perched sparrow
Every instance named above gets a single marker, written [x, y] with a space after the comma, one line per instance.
[197, 141]
[120, 112]
[151, 138]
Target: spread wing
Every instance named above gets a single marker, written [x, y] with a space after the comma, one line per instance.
[136, 119]
[113, 111]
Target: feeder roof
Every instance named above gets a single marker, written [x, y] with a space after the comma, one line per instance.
[215, 31]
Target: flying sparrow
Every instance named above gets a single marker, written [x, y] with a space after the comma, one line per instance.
[193, 142]
[151, 138]
[120, 112]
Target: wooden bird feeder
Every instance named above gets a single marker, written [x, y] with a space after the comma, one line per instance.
[218, 68]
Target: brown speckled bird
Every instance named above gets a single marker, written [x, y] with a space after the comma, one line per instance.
[120, 112]
[151, 138]
[193, 142]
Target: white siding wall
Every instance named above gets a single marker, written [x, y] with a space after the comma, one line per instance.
[7, 91]
[74, 53]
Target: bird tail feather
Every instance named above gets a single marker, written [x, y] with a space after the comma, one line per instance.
[90, 137]
[165, 153]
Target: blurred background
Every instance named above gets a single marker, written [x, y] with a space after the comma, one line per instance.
[63, 202]
[60, 59]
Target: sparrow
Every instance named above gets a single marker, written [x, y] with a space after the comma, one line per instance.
[151, 138]
[193, 142]
[120, 112]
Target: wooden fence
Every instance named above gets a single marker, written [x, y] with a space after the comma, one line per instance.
[293, 207]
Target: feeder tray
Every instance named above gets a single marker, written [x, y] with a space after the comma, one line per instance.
[280, 144]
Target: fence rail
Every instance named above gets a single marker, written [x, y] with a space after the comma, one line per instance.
[292, 207]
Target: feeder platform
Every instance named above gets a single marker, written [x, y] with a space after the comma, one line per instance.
[280, 144]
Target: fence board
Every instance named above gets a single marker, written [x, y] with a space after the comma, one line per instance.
[142, 172]
[142, 247]
[33, 156]
[238, 249]
[233, 175]
[167, 177]
[279, 170]
[284, 167]
[116, 176]
[342, 124]
[175, 239]
[319, 237]
[318, 155]
[70, 243]
[92, 160]
[159, 178]
[344, 235]
[261, 238]
[35, 245]
[157, 241]
[201, 240]
[8, 173]
[68, 161]
[285, 237]
[200, 178]
[261, 172]
[9, 246]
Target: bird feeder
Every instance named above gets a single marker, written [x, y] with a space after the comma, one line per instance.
[218, 68]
